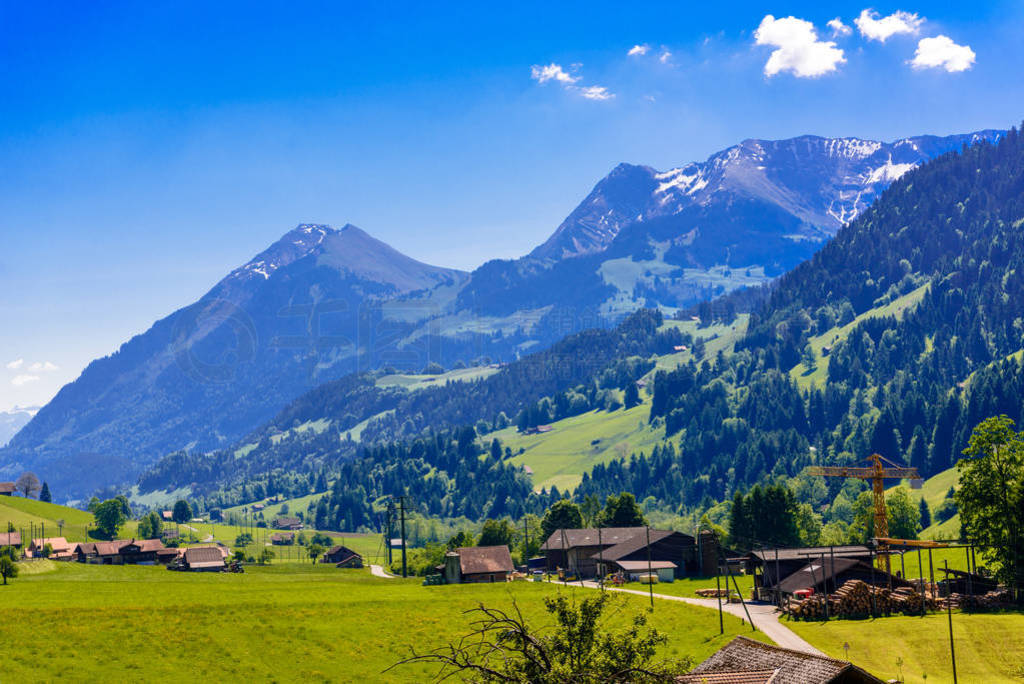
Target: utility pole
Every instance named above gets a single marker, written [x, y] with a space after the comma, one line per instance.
[949, 613]
[650, 578]
[401, 510]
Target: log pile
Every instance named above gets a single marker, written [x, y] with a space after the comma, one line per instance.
[858, 599]
[992, 600]
[712, 593]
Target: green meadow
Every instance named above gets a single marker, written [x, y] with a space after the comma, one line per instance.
[278, 623]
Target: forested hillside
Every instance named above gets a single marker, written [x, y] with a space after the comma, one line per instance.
[897, 338]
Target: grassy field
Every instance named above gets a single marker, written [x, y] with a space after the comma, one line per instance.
[934, 490]
[26, 513]
[281, 623]
[989, 648]
[560, 457]
[367, 545]
[688, 586]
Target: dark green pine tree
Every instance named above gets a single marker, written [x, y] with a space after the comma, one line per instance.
[926, 514]
[44, 493]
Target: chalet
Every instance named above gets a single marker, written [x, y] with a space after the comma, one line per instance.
[141, 551]
[745, 661]
[10, 539]
[680, 348]
[6, 489]
[771, 566]
[167, 516]
[828, 574]
[202, 559]
[286, 523]
[258, 507]
[119, 552]
[342, 557]
[60, 549]
[582, 550]
[282, 538]
[470, 564]
[673, 552]
[166, 556]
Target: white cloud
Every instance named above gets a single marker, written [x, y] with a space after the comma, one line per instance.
[839, 28]
[942, 53]
[638, 50]
[798, 49]
[594, 92]
[665, 56]
[16, 364]
[899, 22]
[19, 380]
[41, 366]
[552, 72]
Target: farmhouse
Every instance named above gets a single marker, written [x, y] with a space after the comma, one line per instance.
[282, 538]
[469, 564]
[582, 550]
[168, 516]
[6, 489]
[10, 539]
[286, 523]
[60, 549]
[119, 552]
[745, 661]
[668, 551]
[202, 559]
[342, 557]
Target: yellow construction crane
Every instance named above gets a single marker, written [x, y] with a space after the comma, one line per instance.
[877, 473]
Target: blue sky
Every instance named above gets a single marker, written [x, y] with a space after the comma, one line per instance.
[149, 148]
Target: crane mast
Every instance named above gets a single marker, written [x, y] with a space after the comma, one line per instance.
[877, 473]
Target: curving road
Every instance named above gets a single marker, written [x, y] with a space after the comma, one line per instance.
[378, 571]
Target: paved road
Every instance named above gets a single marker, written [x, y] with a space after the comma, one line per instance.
[764, 615]
[378, 571]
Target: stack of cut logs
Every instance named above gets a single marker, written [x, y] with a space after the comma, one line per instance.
[989, 601]
[857, 598]
[713, 593]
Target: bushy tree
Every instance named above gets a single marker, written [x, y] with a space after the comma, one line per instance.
[150, 526]
[622, 511]
[314, 551]
[266, 555]
[991, 496]
[563, 514]
[28, 484]
[497, 533]
[182, 511]
[8, 568]
[109, 517]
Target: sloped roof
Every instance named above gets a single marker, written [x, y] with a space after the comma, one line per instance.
[204, 557]
[643, 566]
[6, 487]
[815, 572]
[794, 667]
[738, 677]
[147, 545]
[609, 536]
[806, 552]
[10, 538]
[58, 544]
[477, 559]
[634, 544]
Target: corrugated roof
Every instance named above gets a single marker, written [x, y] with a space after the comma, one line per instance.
[641, 565]
[204, 557]
[610, 536]
[806, 552]
[814, 573]
[794, 667]
[634, 544]
[738, 677]
[478, 559]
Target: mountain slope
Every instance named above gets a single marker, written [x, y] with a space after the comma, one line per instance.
[670, 239]
[304, 311]
[12, 421]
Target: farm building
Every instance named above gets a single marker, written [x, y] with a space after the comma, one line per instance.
[581, 550]
[119, 552]
[672, 551]
[202, 559]
[825, 576]
[770, 566]
[745, 661]
[10, 539]
[169, 534]
[286, 523]
[6, 489]
[342, 557]
[60, 549]
[282, 538]
[478, 564]
[167, 516]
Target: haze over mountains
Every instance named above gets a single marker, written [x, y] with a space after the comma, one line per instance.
[322, 303]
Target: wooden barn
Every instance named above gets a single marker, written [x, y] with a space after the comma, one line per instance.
[771, 566]
[342, 557]
[478, 564]
[582, 550]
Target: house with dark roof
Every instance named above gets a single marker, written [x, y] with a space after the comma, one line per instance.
[828, 574]
[671, 555]
[478, 564]
[286, 523]
[119, 552]
[10, 539]
[745, 661]
[7, 489]
[582, 551]
[282, 538]
[342, 557]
